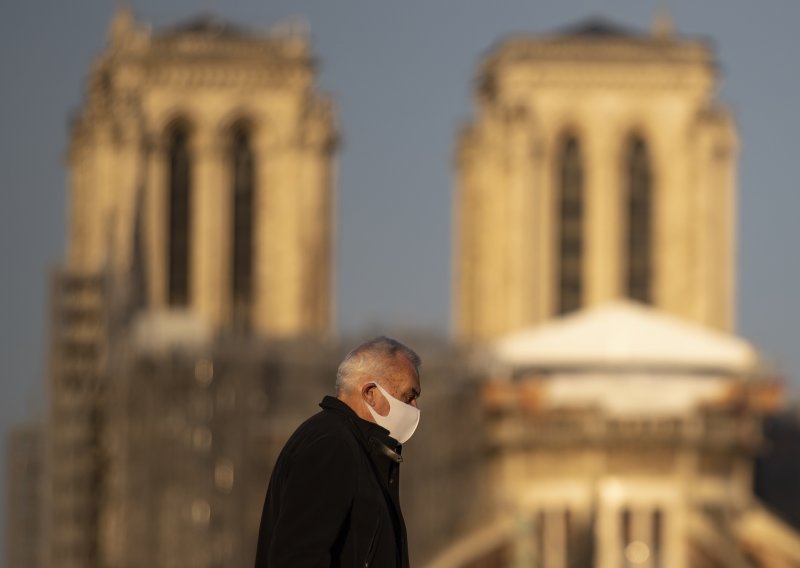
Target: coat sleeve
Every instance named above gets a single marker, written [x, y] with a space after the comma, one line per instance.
[315, 500]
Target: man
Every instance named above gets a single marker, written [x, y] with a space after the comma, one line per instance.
[333, 499]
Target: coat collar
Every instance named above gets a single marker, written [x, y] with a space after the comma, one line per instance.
[372, 433]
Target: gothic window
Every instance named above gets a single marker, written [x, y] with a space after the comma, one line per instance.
[570, 226]
[243, 177]
[179, 196]
[639, 245]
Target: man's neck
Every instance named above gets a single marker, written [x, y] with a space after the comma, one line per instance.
[356, 404]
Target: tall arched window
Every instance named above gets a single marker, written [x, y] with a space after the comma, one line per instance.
[243, 176]
[179, 205]
[570, 226]
[639, 245]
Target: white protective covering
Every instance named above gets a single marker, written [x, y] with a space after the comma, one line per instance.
[625, 334]
[159, 331]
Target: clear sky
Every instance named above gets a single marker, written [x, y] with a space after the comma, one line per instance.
[401, 75]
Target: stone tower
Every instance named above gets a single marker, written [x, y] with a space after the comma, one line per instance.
[598, 165]
[212, 144]
[201, 199]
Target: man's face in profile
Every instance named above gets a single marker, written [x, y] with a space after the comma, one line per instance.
[401, 381]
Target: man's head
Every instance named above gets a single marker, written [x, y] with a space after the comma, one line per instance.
[381, 361]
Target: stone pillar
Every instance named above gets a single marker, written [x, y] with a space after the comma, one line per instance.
[555, 539]
[608, 527]
[674, 540]
[673, 245]
[316, 232]
[518, 221]
[156, 217]
[604, 223]
[546, 231]
[206, 248]
[536, 246]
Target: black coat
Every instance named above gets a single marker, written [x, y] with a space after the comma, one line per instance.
[333, 499]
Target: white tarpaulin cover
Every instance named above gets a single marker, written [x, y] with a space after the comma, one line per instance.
[624, 333]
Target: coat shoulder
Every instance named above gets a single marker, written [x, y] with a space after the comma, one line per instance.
[324, 434]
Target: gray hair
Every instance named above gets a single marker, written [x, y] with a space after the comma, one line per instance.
[369, 359]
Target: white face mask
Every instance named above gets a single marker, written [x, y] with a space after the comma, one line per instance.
[402, 419]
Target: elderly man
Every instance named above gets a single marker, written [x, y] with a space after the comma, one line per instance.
[333, 499]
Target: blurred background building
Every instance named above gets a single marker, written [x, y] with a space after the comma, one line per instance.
[594, 410]
[595, 252]
[599, 165]
[25, 481]
[201, 194]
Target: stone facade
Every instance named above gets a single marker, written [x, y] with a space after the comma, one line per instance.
[599, 456]
[24, 478]
[594, 262]
[192, 436]
[75, 457]
[601, 92]
[201, 202]
[206, 83]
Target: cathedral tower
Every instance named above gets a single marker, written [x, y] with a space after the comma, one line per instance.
[201, 200]
[598, 166]
[211, 146]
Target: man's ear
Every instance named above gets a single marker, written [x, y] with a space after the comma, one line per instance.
[368, 393]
